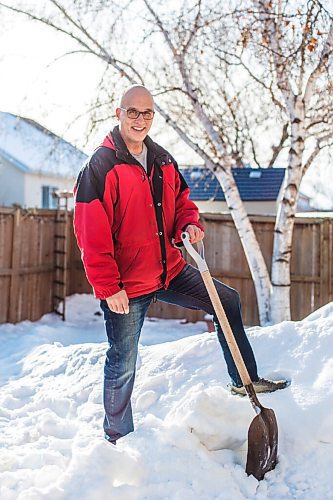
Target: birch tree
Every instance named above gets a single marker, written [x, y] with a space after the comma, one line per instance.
[196, 91]
[292, 47]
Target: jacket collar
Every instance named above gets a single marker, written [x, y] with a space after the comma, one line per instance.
[115, 141]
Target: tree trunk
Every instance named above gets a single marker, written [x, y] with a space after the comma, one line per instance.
[249, 242]
[283, 232]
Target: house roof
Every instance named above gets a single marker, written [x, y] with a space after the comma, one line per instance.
[34, 149]
[254, 184]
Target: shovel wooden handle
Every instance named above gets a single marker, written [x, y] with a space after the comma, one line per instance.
[226, 328]
[219, 310]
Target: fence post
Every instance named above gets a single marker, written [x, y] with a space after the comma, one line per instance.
[330, 260]
[324, 262]
[13, 304]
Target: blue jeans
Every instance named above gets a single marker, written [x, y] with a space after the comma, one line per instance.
[123, 332]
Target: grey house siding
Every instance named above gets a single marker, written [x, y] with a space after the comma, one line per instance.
[11, 184]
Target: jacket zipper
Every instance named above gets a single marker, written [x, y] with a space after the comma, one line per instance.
[144, 176]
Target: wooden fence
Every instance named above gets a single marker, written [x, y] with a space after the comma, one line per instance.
[311, 263]
[27, 264]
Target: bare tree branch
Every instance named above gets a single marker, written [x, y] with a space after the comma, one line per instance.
[277, 149]
[323, 61]
[321, 144]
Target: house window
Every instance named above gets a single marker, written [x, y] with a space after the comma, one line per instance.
[48, 200]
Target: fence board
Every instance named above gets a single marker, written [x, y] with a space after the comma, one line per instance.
[27, 264]
[324, 261]
[6, 228]
[14, 278]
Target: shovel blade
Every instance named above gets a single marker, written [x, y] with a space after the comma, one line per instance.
[262, 444]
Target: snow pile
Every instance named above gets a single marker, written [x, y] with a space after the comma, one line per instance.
[190, 438]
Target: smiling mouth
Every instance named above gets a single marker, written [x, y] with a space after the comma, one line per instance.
[138, 129]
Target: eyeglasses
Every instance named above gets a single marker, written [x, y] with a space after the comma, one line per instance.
[133, 113]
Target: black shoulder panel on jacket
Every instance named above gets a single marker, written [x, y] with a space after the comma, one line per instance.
[160, 152]
[90, 184]
[183, 183]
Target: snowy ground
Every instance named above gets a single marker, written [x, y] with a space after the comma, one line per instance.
[190, 438]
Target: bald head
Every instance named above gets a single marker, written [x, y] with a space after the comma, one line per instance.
[135, 115]
[136, 92]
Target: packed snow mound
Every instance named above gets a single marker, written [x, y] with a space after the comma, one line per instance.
[191, 433]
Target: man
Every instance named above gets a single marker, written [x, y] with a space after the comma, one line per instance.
[131, 205]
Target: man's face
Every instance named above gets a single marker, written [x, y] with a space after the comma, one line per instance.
[134, 130]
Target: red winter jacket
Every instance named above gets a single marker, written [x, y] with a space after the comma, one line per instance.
[125, 219]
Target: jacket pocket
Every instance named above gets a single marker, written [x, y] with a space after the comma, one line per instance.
[126, 259]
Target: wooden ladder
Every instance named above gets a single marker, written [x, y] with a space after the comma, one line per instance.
[60, 253]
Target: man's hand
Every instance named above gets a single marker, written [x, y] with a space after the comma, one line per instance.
[195, 233]
[118, 302]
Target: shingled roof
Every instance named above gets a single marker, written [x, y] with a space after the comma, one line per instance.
[34, 149]
[254, 184]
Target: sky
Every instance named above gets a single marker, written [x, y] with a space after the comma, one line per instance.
[39, 82]
[190, 438]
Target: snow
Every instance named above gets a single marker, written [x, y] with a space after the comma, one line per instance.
[190, 438]
[37, 150]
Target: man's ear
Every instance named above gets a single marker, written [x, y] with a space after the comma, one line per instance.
[118, 111]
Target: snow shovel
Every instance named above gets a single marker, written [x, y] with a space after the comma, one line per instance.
[263, 431]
